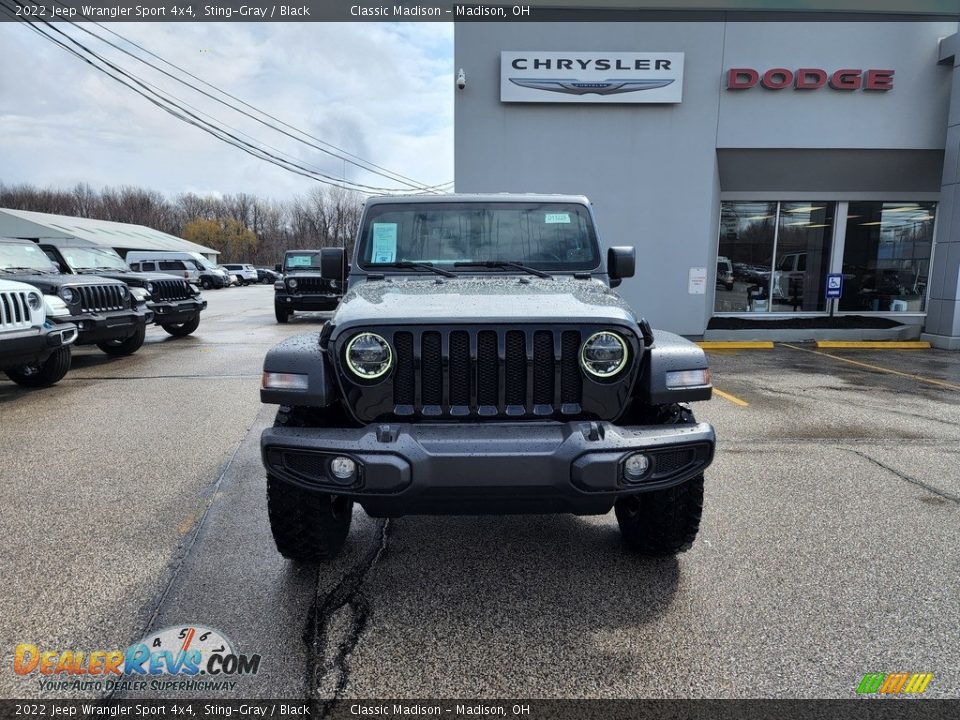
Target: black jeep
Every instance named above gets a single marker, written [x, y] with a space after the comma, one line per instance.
[481, 363]
[313, 280]
[175, 303]
[105, 312]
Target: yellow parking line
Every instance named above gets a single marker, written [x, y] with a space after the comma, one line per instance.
[920, 378]
[875, 344]
[731, 398]
[736, 344]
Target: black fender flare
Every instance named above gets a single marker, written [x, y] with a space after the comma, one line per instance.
[300, 355]
[671, 352]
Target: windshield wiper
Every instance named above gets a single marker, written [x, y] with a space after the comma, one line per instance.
[14, 269]
[504, 264]
[403, 264]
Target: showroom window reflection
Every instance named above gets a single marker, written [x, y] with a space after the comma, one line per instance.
[886, 256]
[773, 256]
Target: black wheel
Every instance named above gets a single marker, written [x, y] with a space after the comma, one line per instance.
[307, 526]
[44, 374]
[662, 522]
[127, 346]
[182, 329]
[283, 315]
[205, 283]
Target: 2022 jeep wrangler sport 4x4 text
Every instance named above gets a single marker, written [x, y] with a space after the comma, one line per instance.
[481, 363]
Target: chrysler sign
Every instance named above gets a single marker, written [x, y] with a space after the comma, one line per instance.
[591, 77]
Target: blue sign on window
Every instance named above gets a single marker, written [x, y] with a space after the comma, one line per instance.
[834, 285]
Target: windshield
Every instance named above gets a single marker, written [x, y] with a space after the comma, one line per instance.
[548, 236]
[302, 261]
[27, 256]
[82, 258]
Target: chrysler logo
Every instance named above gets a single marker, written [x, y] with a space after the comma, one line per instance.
[585, 87]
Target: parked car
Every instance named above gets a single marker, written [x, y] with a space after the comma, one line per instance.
[175, 302]
[246, 274]
[105, 311]
[34, 352]
[202, 271]
[725, 272]
[507, 377]
[312, 280]
[267, 276]
[232, 278]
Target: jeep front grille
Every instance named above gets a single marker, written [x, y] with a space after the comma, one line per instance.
[313, 285]
[167, 290]
[14, 310]
[100, 298]
[487, 373]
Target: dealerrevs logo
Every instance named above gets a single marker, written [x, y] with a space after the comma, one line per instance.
[182, 651]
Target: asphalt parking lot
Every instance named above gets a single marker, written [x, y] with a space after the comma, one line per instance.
[133, 500]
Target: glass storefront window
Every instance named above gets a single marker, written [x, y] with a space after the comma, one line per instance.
[773, 256]
[886, 256]
[802, 256]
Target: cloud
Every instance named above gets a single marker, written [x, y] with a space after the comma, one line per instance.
[383, 92]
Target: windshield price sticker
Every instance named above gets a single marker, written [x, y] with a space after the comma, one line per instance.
[557, 218]
[384, 242]
[299, 261]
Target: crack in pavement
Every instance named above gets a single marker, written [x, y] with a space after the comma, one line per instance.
[907, 478]
[347, 593]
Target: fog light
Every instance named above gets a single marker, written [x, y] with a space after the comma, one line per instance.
[343, 468]
[635, 467]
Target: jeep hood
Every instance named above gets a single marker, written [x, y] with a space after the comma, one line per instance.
[471, 299]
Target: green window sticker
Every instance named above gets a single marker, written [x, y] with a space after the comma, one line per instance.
[384, 243]
[556, 218]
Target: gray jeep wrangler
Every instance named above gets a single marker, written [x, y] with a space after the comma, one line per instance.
[482, 363]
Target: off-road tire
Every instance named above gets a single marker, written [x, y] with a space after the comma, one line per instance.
[182, 329]
[128, 346]
[48, 373]
[283, 315]
[663, 522]
[307, 527]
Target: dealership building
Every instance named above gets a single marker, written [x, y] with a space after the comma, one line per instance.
[778, 179]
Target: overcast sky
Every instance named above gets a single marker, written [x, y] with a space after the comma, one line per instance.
[382, 91]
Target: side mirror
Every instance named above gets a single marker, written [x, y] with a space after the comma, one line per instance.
[333, 263]
[621, 263]
[276, 268]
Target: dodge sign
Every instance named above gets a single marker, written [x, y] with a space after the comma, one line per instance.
[591, 77]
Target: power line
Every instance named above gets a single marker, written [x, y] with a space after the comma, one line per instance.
[160, 100]
[347, 156]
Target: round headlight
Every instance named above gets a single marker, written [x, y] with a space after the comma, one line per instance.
[34, 301]
[123, 291]
[604, 354]
[67, 294]
[369, 356]
[149, 287]
[292, 282]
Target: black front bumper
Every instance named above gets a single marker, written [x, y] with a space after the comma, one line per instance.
[312, 301]
[34, 345]
[115, 325]
[176, 311]
[404, 469]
